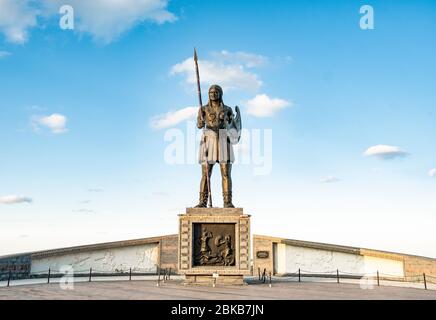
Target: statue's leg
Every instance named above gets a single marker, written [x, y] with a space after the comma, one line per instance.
[226, 171]
[205, 168]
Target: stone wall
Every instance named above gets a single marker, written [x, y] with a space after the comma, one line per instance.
[313, 260]
[141, 258]
[419, 265]
[17, 265]
[270, 253]
[142, 255]
[287, 256]
[263, 254]
[168, 252]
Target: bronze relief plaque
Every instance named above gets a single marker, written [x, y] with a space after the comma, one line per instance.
[262, 254]
[214, 244]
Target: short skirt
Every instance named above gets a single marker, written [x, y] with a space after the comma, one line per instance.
[215, 147]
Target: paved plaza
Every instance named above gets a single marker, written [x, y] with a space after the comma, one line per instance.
[173, 289]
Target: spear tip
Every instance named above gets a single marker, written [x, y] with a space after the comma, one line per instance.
[195, 54]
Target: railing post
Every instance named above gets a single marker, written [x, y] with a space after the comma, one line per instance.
[169, 275]
[158, 276]
[378, 279]
[270, 276]
[130, 274]
[425, 282]
[48, 278]
[9, 277]
[264, 275]
[90, 274]
[337, 275]
[258, 271]
[299, 275]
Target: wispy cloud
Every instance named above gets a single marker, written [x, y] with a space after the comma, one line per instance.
[242, 148]
[36, 108]
[160, 194]
[263, 106]
[432, 173]
[14, 199]
[95, 190]
[329, 179]
[106, 20]
[16, 18]
[83, 211]
[4, 54]
[55, 122]
[102, 19]
[248, 60]
[173, 118]
[385, 152]
[229, 75]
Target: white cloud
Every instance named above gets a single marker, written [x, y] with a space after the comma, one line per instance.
[83, 211]
[104, 20]
[172, 118]
[16, 17]
[160, 194]
[14, 199]
[228, 75]
[263, 106]
[242, 148]
[248, 60]
[432, 173]
[385, 152]
[4, 54]
[55, 122]
[329, 179]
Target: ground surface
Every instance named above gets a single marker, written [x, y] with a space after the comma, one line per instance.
[175, 290]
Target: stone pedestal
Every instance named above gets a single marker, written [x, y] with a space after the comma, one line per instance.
[214, 242]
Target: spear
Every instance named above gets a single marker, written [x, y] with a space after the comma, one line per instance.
[202, 119]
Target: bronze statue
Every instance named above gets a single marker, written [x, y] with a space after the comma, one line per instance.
[226, 255]
[221, 129]
[205, 252]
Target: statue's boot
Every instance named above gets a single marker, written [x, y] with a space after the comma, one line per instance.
[203, 200]
[228, 200]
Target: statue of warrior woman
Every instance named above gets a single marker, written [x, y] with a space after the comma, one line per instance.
[222, 129]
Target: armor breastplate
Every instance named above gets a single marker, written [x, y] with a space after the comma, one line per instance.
[214, 118]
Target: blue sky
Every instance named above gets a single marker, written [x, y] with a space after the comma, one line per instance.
[82, 156]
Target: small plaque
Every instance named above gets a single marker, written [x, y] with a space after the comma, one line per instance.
[262, 254]
[215, 275]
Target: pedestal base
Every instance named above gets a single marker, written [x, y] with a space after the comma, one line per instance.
[209, 280]
[214, 241]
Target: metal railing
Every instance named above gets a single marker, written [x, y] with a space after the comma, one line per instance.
[164, 275]
[46, 276]
[337, 275]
